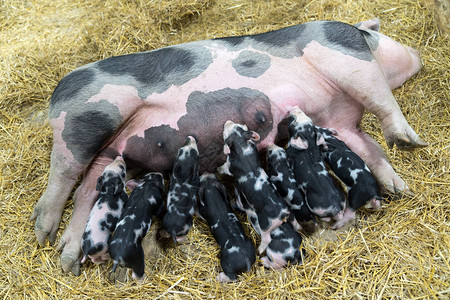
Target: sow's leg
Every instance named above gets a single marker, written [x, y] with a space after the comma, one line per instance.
[84, 199]
[64, 172]
[364, 81]
[375, 158]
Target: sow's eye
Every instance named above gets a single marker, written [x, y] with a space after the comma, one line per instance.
[260, 117]
[160, 143]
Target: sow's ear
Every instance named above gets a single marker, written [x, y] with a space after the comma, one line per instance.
[251, 135]
[373, 24]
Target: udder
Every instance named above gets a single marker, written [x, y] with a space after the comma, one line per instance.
[152, 137]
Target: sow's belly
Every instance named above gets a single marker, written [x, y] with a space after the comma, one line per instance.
[153, 131]
[153, 135]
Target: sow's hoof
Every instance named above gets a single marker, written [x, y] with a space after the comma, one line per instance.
[47, 223]
[405, 138]
[69, 264]
[70, 256]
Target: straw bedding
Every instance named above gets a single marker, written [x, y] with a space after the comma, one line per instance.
[401, 251]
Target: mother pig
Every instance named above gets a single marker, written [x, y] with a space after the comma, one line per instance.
[142, 106]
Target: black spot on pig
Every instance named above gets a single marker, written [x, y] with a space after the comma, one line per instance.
[208, 112]
[85, 132]
[71, 85]
[251, 64]
[156, 150]
[281, 37]
[347, 39]
[345, 35]
[232, 40]
[161, 68]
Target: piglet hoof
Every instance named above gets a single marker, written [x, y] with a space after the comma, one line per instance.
[374, 203]
[223, 278]
[347, 216]
[339, 216]
[326, 219]
[181, 239]
[119, 275]
[138, 278]
[270, 264]
[164, 234]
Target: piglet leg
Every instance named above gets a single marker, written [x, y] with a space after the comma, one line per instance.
[84, 199]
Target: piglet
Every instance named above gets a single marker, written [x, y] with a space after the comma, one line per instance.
[237, 253]
[145, 201]
[105, 213]
[244, 164]
[285, 241]
[283, 178]
[284, 248]
[182, 196]
[323, 197]
[350, 168]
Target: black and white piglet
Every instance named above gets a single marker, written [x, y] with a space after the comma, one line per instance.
[323, 197]
[350, 168]
[244, 164]
[182, 196]
[145, 201]
[237, 253]
[283, 178]
[285, 241]
[105, 213]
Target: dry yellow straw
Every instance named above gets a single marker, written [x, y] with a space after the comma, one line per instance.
[399, 252]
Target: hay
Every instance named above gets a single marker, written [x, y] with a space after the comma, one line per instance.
[399, 252]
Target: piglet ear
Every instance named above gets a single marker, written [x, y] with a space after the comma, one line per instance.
[299, 143]
[320, 140]
[119, 187]
[99, 183]
[226, 149]
[251, 135]
[160, 185]
[132, 184]
[255, 136]
[333, 131]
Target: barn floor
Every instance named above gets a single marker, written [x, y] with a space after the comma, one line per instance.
[398, 252]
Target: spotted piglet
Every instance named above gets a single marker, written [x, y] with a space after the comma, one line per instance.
[182, 195]
[350, 168]
[322, 195]
[105, 213]
[285, 241]
[283, 178]
[145, 201]
[237, 253]
[244, 164]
